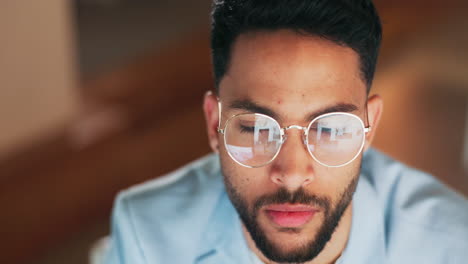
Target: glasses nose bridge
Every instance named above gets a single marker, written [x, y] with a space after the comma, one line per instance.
[294, 127]
[286, 128]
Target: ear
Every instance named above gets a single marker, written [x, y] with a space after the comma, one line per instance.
[374, 112]
[210, 108]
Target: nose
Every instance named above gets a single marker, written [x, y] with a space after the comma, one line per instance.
[293, 167]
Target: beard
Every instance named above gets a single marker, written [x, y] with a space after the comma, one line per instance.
[308, 251]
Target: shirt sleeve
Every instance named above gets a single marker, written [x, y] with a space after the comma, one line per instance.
[124, 245]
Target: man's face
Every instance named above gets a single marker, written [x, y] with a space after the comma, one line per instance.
[291, 206]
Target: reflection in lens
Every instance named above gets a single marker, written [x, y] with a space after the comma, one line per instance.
[336, 139]
[252, 139]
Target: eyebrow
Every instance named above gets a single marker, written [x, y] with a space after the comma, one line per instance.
[253, 107]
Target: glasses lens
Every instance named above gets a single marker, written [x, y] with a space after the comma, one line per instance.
[252, 139]
[336, 139]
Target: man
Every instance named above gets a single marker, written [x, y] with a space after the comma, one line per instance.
[293, 178]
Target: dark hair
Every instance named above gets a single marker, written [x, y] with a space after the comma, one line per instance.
[351, 23]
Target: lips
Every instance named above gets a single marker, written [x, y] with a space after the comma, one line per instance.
[290, 215]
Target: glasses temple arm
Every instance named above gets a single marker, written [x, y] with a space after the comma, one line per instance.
[219, 117]
[368, 128]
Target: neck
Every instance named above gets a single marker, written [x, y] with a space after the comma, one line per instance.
[332, 250]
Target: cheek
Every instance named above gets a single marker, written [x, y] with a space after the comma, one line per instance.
[245, 181]
[333, 182]
[234, 173]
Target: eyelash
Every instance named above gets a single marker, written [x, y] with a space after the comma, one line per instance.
[246, 129]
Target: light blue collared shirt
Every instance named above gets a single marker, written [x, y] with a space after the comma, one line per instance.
[400, 215]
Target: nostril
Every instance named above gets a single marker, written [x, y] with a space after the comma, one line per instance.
[278, 180]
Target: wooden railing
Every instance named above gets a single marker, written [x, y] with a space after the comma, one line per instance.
[62, 185]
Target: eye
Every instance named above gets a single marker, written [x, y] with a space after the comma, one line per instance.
[246, 129]
[327, 130]
[322, 129]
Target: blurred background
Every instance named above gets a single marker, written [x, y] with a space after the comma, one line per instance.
[93, 94]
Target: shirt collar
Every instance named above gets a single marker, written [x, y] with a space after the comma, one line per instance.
[224, 241]
[366, 243]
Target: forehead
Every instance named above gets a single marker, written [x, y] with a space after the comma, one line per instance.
[292, 73]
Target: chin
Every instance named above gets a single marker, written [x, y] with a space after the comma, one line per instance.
[290, 240]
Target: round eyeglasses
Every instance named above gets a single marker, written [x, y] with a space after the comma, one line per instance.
[333, 140]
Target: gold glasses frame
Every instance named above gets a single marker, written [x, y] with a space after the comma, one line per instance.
[284, 136]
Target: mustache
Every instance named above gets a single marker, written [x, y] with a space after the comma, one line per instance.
[298, 196]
